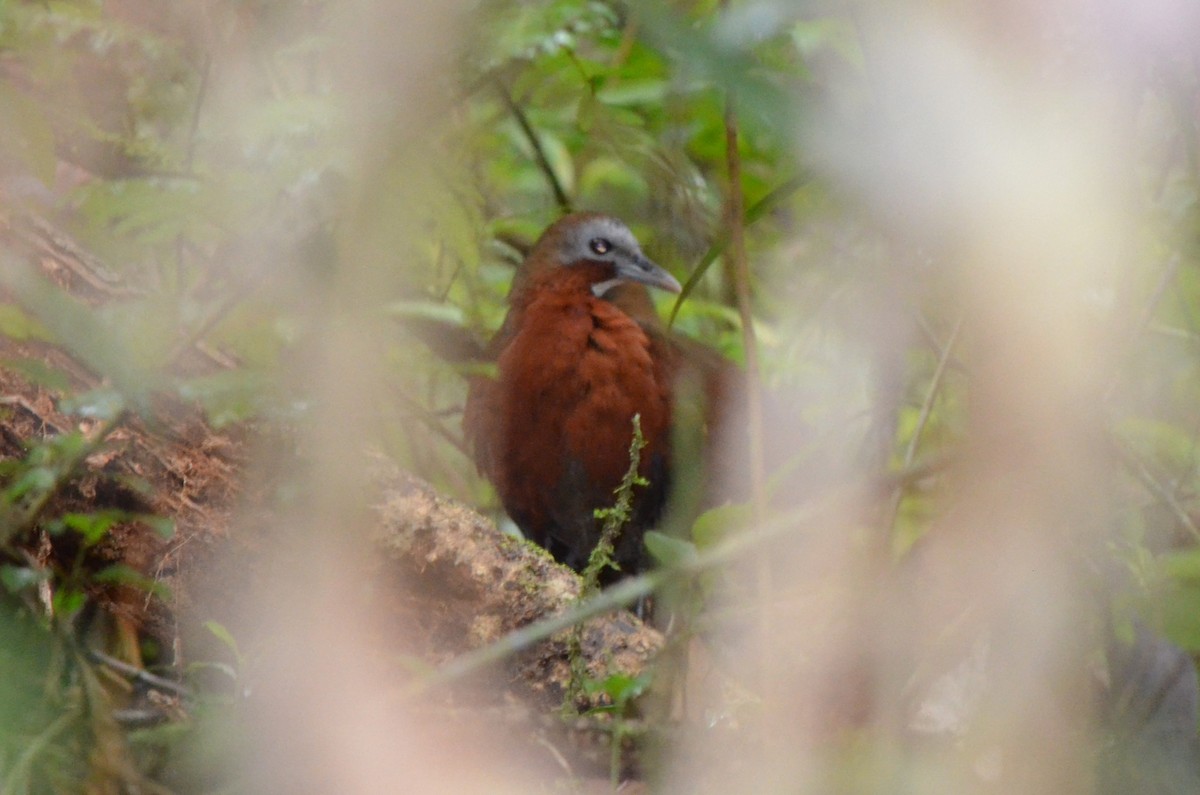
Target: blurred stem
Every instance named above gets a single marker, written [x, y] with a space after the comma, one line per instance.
[19, 773]
[539, 154]
[738, 266]
[1165, 280]
[756, 211]
[419, 412]
[628, 38]
[834, 502]
[194, 123]
[219, 311]
[935, 387]
[1165, 493]
[1184, 110]
[138, 674]
[189, 161]
[932, 339]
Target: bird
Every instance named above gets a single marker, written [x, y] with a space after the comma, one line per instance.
[552, 431]
[704, 382]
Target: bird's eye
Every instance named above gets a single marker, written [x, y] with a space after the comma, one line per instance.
[599, 245]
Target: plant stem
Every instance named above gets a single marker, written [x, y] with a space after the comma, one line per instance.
[738, 267]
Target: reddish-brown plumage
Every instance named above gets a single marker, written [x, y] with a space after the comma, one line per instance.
[695, 371]
[553, 430]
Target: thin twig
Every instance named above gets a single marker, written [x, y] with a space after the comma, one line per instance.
[1185, 116]
[935, 385]
[430, 421]
[756, 211]
[194, 124]
[539, 153]
[932, 339]
[739, 268]
[558, 757]
[24, 761]
[1166, 494]
[139, 674]
[1147, 317]
[1160, 289]
[197, 333]
[628, 38]
[20, 402]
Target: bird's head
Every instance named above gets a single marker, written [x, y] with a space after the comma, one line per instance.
[583, 238]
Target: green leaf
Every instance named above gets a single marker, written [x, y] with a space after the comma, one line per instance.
[92, 526]
[611, 174]
[621, 688]
[225, 636]
[120, 574]
[167, 735]
[1183, 565]
[17, 325]
[67, 602]
[163, 526]
[97, 337]
[32, 480]
[635, 92]
[1181, 616]
[151, 210]
[17, 578]
[228, 397]
[754, 213]
[1160, 440]
[224, 668]
[483, 369]
[814, 38]
[668, 551]
[427, 310]
[715, 524]
[38, 372]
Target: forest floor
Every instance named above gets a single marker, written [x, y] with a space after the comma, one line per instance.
[445, 583]
[449, 581]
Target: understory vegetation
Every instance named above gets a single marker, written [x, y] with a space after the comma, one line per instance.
[952, 254]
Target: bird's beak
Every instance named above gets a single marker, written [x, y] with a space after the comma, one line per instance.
[640, 269]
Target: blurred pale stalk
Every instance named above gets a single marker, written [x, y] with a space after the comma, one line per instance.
[996, 163]
[326, 715]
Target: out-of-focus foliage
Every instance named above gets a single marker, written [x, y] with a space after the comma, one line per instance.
[207, 158]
